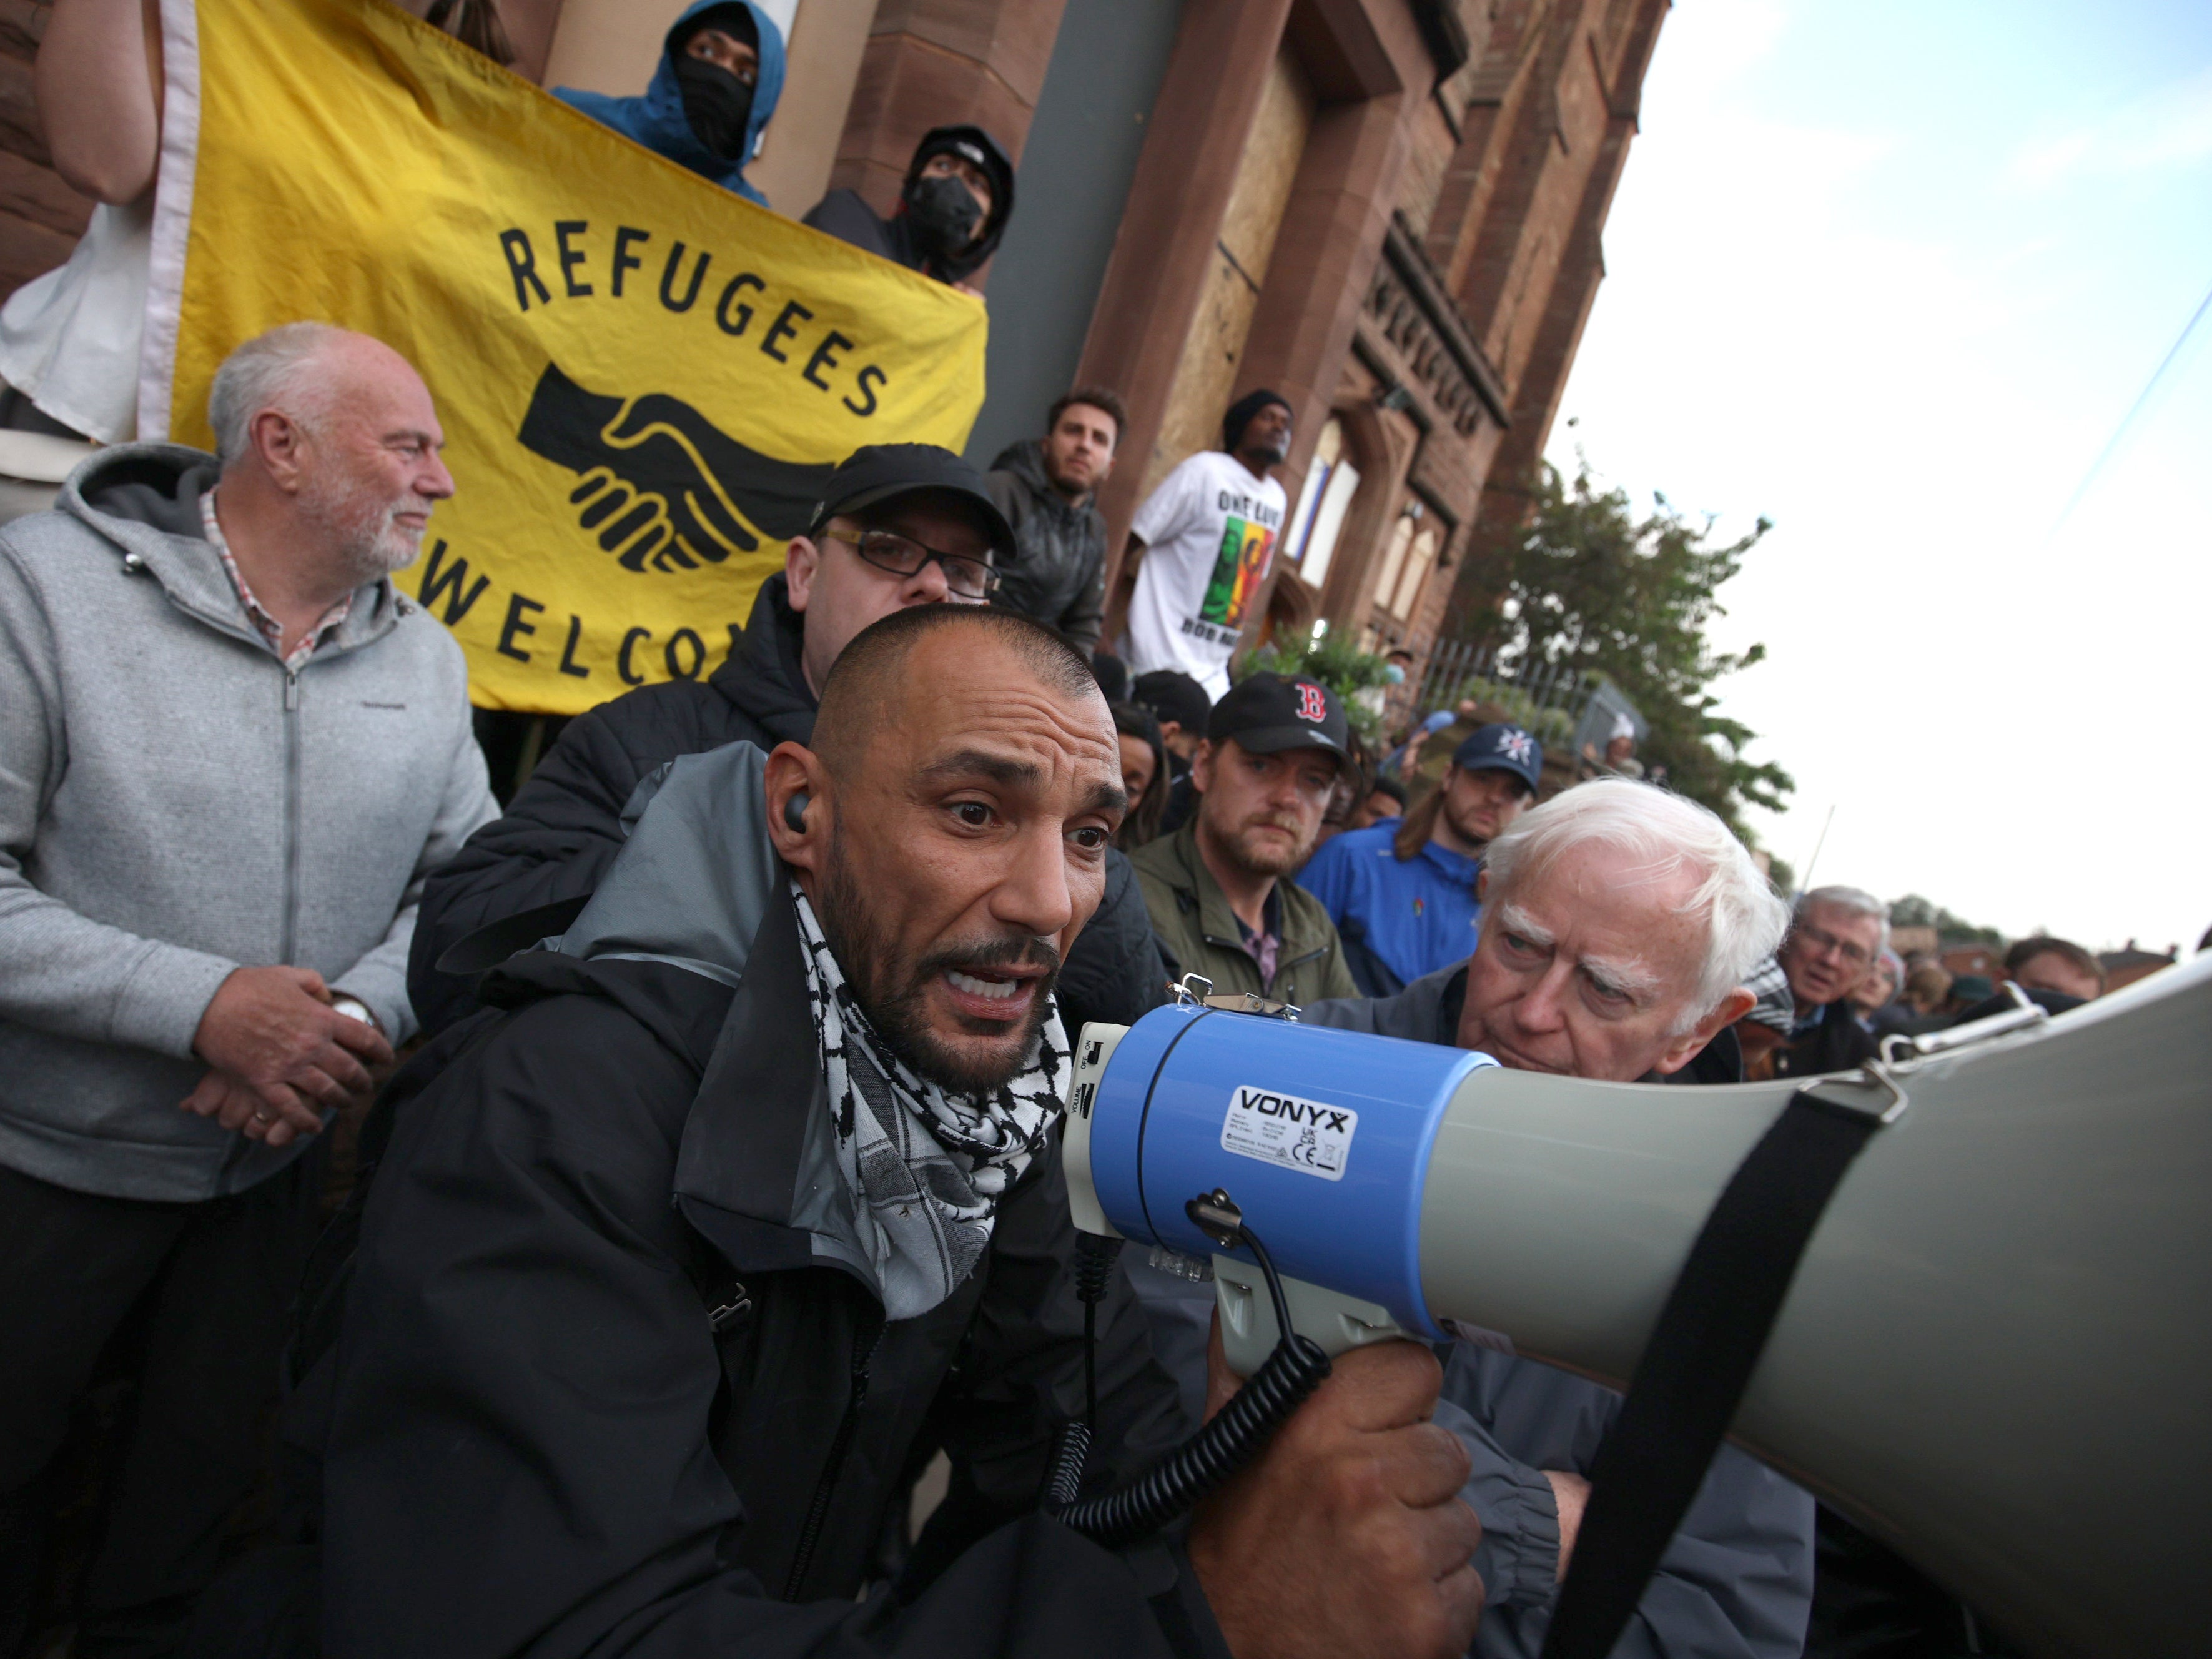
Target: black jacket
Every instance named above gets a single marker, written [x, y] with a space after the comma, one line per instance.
[1059, 579]
[1838, 1043]
[540, 1442]
[563, 828]
[844, 214]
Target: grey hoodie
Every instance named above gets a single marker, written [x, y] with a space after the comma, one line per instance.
[174, 805]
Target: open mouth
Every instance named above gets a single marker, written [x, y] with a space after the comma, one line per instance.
[992, 993]
[975, 986]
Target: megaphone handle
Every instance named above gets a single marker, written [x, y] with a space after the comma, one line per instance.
[1699, 1359]
[1337, 1322]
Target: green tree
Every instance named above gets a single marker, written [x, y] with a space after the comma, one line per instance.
[1914, 911]
[1588, 583]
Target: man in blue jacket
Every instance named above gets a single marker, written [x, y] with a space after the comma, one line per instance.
[716, 86]
[1401, 893]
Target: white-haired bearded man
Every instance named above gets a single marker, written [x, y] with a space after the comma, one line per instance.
[1620, 923]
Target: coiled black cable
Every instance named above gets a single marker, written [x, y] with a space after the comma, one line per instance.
[1095, 1257]
[1201, 1463]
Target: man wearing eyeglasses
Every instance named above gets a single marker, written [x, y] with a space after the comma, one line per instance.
[1834, 940]
[899, 525]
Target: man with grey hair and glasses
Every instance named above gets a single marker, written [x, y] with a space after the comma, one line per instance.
[1836, 937]
[231, 750]
[1620, 925]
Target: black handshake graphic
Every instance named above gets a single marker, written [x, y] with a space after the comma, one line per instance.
[662, 487]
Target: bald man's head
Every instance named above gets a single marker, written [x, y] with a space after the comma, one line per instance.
[950, 826]
[868, 685]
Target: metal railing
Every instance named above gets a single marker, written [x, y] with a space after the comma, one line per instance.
[1459, 669]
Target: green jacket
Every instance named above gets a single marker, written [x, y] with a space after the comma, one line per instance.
[1198, 933]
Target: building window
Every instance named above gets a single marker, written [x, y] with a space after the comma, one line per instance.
[1419, 558]
[1393, 559]
[1331, 482]
[1406, 562]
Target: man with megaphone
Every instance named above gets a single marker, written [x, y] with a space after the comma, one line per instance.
[743, 1196]
[1619, 923]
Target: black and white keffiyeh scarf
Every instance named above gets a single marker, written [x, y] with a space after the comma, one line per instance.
[926, 1167]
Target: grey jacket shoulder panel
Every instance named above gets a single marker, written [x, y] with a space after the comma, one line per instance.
[696, 873]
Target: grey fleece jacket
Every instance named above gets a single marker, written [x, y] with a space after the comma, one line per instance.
[174, 805]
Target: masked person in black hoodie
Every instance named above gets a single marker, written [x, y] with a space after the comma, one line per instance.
[953, 209]
[900, 525]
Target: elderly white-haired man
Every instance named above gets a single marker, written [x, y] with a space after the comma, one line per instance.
[230, 752]
[1620, 923]
[1837, 936]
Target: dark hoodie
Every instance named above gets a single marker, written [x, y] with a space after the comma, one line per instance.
[1060, 580]
[526, 876]
[844, 214]
[657, 119]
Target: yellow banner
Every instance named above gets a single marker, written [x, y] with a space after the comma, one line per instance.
[643, 379]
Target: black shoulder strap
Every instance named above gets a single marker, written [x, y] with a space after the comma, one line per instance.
[1694, 1369]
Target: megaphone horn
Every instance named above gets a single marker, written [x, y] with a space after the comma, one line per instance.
[1991, 1355]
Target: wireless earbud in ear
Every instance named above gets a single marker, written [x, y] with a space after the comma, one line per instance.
[794, 814]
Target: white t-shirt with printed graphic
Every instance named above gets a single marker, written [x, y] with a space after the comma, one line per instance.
[1209, 533]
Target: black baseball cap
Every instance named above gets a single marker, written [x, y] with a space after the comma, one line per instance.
[1267, 713]
[1503, 748]
[878, 473]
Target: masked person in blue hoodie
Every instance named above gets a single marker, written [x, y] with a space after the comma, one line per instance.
[952, 210]
[713, 91]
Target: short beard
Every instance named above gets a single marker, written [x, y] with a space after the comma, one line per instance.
[893, 1001]
[1065, 486]
[1461, 827]
[1247, 858]
[363, 533]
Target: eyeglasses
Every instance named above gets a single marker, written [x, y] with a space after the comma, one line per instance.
[972, 580]
[1858, 955]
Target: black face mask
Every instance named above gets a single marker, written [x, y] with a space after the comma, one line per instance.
[945, 215]
[718, 106]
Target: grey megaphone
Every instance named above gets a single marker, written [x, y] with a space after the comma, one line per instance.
[1994, 1353]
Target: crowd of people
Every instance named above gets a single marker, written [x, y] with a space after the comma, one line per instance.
[688, 1119]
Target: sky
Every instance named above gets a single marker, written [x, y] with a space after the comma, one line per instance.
[1892, 274]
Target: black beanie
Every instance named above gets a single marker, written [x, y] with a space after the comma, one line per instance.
[1241, 413]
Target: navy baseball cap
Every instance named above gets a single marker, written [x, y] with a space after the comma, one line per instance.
[1267, 713]
[1503, 748]
[881, 473]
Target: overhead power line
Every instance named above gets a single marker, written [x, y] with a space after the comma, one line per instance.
[2119, 432]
